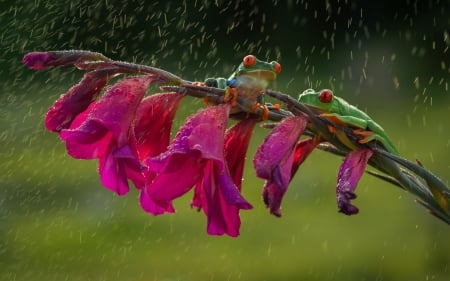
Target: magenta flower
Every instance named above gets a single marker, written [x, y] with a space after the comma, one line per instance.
[152, 126]
[349, 174]
[196, 157]
[278, 158]
[103, 131]
[76, 100]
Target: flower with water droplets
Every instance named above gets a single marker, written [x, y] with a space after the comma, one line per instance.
[349, 174]
[198, 157]
[104, 130]
[278, 158]
[76, 100]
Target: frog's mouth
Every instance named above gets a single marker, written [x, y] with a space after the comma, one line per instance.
[316, 109]
[262, 74]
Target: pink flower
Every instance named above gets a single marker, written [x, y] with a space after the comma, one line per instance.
[153, 122]
[76, 100]
[278, 158]
[349, 174]
[196, 157]
[103, 131]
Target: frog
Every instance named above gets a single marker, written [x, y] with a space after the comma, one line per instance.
[249, 80]
[339, 111]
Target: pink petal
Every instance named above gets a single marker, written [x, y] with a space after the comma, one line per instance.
[153, 123]
[237, 139]
[302, 151]
[222, 217]
[170, 184]
[274, 160]
[349, 174]
[117, 107]
[75, 101]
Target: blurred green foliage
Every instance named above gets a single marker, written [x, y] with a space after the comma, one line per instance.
[389, 58]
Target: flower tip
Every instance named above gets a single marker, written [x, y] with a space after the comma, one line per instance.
[348, 209]
[276, 213]
[344, 204]
[37, 60]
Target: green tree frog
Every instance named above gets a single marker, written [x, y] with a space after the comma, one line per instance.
[339, 111]
[250, 80]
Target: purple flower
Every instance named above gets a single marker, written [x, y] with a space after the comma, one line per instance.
[76, 100]
[349, 174]
[196, 157]
[278, 158]
[103, 131]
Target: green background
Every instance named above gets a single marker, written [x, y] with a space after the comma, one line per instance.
[391, 58]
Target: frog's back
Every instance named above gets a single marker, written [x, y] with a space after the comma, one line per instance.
[347, 109]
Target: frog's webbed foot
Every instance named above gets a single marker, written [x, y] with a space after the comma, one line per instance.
[264, 108]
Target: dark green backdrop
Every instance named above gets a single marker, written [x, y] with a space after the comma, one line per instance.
[391, 58]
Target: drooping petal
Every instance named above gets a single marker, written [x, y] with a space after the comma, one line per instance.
[212, 194]
[349, 174]
[274, 160]
[237, 139]
[117, 167]
[302, 151]
[153, 123]
[76, 100]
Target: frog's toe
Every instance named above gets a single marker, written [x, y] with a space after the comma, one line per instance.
[265, 110]
[198, 83]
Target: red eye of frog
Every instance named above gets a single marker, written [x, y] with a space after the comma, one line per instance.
[276, 67]
[249, 60]
[326, 96]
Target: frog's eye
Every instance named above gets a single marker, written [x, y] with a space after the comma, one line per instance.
[326, 96]
[276, 67]
[249, 60]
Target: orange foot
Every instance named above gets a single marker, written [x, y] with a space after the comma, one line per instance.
[196, 83]
[367, 135]
[231, 95]
[264, 108]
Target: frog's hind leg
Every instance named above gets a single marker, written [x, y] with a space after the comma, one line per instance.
[368, 136]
